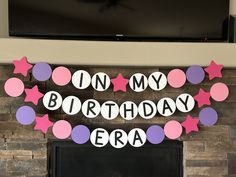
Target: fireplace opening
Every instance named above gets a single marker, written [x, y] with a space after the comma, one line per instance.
[67, 159]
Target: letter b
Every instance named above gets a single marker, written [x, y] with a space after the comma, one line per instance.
[52, 100]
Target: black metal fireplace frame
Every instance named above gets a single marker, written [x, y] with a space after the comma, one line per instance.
[54, 144]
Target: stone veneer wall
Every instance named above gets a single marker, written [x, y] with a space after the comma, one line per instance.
[208, 153]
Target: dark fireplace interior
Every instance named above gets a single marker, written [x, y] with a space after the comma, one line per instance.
[67, 159]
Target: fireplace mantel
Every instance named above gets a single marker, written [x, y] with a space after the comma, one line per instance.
[117, 53]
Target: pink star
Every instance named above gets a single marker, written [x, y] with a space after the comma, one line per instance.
[202, 98]
[214, 70]
[119, 83]
[22, 66]
[190, 124]
[33, 95]
[43, 123]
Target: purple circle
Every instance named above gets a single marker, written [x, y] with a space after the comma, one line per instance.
[42, 71]
[80, 134]
[155, 134]
[208, 116]
[195, 74]
[25, 115]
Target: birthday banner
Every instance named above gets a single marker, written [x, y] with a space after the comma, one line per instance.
[128, 110]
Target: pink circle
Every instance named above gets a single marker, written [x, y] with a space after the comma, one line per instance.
[14, 87]
[61, 129]
[219, 91]
[173, 129]
[61, 76]
[176, 78]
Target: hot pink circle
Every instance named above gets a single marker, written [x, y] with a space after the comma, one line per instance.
[61, 76]
[61, 129]
[219, 91]
[14, 87]
[173, 129]
[176, 78]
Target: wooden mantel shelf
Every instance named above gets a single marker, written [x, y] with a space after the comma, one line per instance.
[117, 53]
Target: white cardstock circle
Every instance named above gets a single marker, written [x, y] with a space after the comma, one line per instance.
[81, 79]
[99, 137]
[181, 106]
[136, 83]
[149, 111]
[52, 98]
[141, 135]
[157, 81]
[123, 140]
[95, 108]
[128, 106]
[102, 77]
[109, 110]
[68, 108]
[170, 103]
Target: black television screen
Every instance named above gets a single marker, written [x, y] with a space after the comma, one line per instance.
[151, 19]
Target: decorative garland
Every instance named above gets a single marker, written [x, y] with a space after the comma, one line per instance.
[128, 110]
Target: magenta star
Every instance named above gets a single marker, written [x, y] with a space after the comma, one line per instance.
[119, 83]
[214, 70]
[22, 66]
[43, 123]
[202, 98]
[33, 95]
[190, 124]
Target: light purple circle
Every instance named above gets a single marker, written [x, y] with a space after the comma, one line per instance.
[208, 116]
[42, 71]
[195, 74]
[80, 134]
[155, 134]
[25, 115]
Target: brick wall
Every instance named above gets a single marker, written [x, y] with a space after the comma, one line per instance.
[208, 153]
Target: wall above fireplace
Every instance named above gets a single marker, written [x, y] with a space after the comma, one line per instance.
[117, 53]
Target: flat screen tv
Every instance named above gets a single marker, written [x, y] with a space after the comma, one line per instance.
[170, 20]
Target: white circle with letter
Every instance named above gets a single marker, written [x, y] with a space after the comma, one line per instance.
[138, 82]
[91, 108]
[128, 110]
[52, 100]
[81, 79]
[157, 81]
[185, 102]
[109, 110]
[118, 138]
[99, 137]
[137, 137]
[166, 106]
[101, 81]
[71, 105]
[147, 109]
